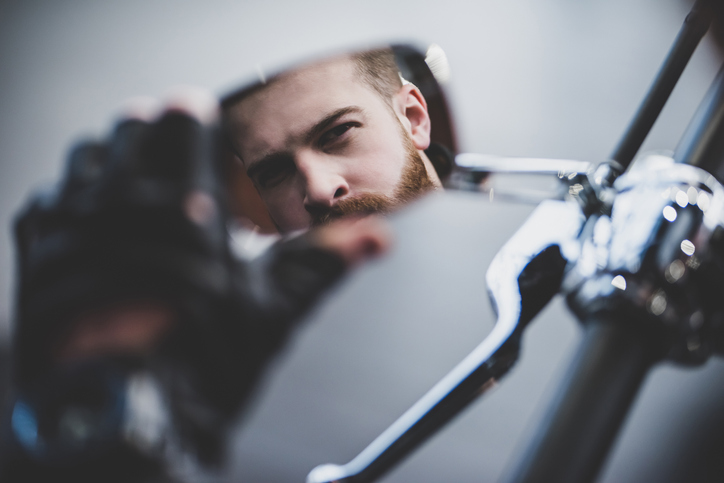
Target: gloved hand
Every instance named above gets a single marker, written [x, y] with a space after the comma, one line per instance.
[125, 267]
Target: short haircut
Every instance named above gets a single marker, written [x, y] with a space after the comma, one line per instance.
[377, 68]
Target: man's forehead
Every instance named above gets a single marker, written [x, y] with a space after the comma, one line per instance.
[304, 81]
[343, 66]
[291, 103]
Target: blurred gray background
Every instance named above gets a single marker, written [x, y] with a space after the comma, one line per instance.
[559, 78]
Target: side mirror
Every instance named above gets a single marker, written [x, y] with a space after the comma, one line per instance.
[422, 70]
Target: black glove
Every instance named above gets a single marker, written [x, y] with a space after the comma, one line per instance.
[143, 216]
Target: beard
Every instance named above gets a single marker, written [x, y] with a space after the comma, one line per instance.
[413, 183]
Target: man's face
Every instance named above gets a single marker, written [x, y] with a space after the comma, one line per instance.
[319, 143]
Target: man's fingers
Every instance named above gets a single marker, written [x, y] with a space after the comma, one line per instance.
[140, 108]
[195, 102]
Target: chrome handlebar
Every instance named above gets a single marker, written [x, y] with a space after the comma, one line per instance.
[602, 262]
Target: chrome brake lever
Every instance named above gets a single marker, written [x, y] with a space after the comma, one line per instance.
[516, 274]
[527, 180]
[503, 164]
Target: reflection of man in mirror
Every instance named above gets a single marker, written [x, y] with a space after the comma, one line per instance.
[339, 137]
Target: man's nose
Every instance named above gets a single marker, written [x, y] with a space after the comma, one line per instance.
[324, 183]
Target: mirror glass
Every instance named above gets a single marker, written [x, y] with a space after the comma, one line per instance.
[355, 133]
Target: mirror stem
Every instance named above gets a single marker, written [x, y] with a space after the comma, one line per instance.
[694, 28]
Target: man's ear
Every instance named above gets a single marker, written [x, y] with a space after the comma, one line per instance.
[411, 109]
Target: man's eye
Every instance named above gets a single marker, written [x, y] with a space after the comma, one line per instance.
[335, 133]
[274, 175]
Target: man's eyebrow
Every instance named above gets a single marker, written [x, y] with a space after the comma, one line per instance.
[309, 137]
[328, 120]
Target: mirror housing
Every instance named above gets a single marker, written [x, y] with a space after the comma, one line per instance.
[414, 67]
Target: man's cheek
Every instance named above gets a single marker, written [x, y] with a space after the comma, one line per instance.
[381, 175]
[385, 162]
[289, 213]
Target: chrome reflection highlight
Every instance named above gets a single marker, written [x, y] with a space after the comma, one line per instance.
[687, 247]
[657, 303]
[669, 213]
[619, 282]
[675, 271]
[692, 193]
[682, 199]
[436, 60]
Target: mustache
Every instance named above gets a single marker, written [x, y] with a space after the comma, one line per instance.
[414, 183]
[359, 205]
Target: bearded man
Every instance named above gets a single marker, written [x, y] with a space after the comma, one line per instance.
[344, 136]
